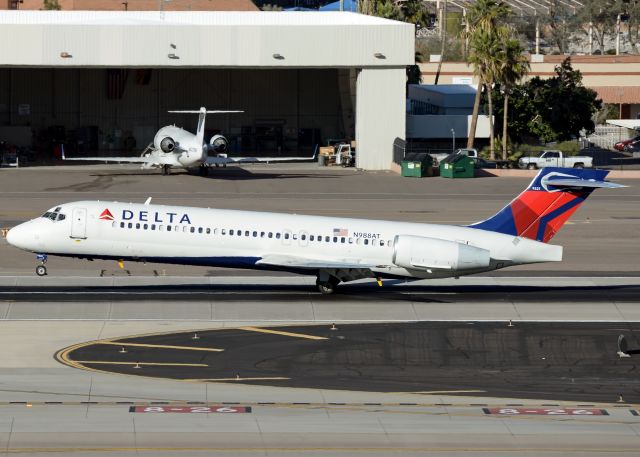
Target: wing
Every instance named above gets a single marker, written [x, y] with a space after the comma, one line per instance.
[115, 159]
[223, 160]
[311, 263]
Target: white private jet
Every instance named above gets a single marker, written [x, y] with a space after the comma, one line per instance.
[175, 147]
[331, 248]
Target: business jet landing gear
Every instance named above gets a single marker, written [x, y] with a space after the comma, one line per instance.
[41, 270]
[166, 170]
[326, 284]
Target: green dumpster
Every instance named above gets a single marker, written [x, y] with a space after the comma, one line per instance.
[457, 166]
[417, 165]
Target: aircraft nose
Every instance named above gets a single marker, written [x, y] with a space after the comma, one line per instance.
[20, 237]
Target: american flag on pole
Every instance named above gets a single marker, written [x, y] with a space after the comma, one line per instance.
[340, 232]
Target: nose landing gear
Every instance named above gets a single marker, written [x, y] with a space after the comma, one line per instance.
[41, 270]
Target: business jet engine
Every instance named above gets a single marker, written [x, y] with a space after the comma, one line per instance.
[422, 253]
[167, 144]
[218, 144]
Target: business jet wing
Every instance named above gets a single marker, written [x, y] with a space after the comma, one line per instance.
[223, 159]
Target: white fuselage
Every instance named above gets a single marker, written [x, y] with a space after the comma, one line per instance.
[188, 152]
[212, 237]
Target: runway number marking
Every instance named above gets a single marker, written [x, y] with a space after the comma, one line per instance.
[191, 409]
[546, 412]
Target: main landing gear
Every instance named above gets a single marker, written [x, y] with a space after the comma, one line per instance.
[166, 170]
[41, 270]
[327, 285]
[204, 170]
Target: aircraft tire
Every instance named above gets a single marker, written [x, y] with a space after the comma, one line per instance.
[327, 287]
[41, 270]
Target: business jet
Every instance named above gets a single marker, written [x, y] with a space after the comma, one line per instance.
[331, 248]
[175, 147]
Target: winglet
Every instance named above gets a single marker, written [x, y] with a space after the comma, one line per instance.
[62, 151]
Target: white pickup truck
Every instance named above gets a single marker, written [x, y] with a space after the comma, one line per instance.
[554, 158]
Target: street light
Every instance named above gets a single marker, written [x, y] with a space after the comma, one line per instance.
[453, 143]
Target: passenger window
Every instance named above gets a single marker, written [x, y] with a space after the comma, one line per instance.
[262, 234]
[310, 237]
[153, 226]
[208, 230]
[246, 233]
[137, 225]
[278, 236]
[168, 228]
[366, 241]
[200, 230]
[327, 239]
[61, 217]
[350, 240]
[239, 232]
[160, 228]
[255, 234]
[215, 231]
[121, 224]
[270, 234]
[357, 240]
[389, 243]
[335, 239]
[295, 237]
[146, 226]
[223, 231]
[286, 236]
[381, 243]
[342, 240]
[231, 232]
[176, 228]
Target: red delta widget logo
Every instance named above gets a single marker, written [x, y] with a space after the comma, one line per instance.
[106, 215]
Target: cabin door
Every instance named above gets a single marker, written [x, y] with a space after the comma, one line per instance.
[79, 223]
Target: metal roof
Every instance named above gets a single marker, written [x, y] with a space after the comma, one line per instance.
[209, 18]
[524, 7]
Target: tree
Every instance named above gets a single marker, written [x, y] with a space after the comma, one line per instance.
[554, 109]
[560, 23]
[51, 5]
[600, 16]
[484, 18]
[514, 66]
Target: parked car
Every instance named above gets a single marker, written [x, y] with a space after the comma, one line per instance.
[634, 146]
[622, 145]
[555, 158]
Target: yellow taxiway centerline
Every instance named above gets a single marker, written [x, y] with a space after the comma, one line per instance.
[279, 332]
[102, 362]
[160, 346]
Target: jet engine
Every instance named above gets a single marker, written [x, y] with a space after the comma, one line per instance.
[218, 144]
[422, 253]
[167, 144]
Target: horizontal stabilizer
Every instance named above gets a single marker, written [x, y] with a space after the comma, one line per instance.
[590, 183]
[205, 111]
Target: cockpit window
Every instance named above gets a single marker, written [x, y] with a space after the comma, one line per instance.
[54, 215]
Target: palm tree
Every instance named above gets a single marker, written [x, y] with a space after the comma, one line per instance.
[486, 58]
[484, 17]
[514, 66]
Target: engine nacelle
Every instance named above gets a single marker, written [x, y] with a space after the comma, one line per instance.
[167, 144]
[422, 253]
[218, 144]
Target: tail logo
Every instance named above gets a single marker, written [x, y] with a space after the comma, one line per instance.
[106, 215]
[544, 181]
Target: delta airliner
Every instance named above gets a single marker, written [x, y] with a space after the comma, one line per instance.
[331, 248]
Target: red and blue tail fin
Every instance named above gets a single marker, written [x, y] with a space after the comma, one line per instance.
[547, 203]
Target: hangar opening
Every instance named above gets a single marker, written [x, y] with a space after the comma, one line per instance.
[286, 111]
[103, 81]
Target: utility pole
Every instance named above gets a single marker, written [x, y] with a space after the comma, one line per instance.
[443, 38]
[618, 35]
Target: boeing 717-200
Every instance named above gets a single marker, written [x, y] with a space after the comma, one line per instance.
[333, 249]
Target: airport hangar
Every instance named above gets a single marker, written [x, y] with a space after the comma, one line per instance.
[106, 79]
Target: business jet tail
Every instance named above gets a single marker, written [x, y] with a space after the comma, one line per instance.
[202, 112]
[547, 203]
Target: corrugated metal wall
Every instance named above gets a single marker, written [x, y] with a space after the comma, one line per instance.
[293, 99]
